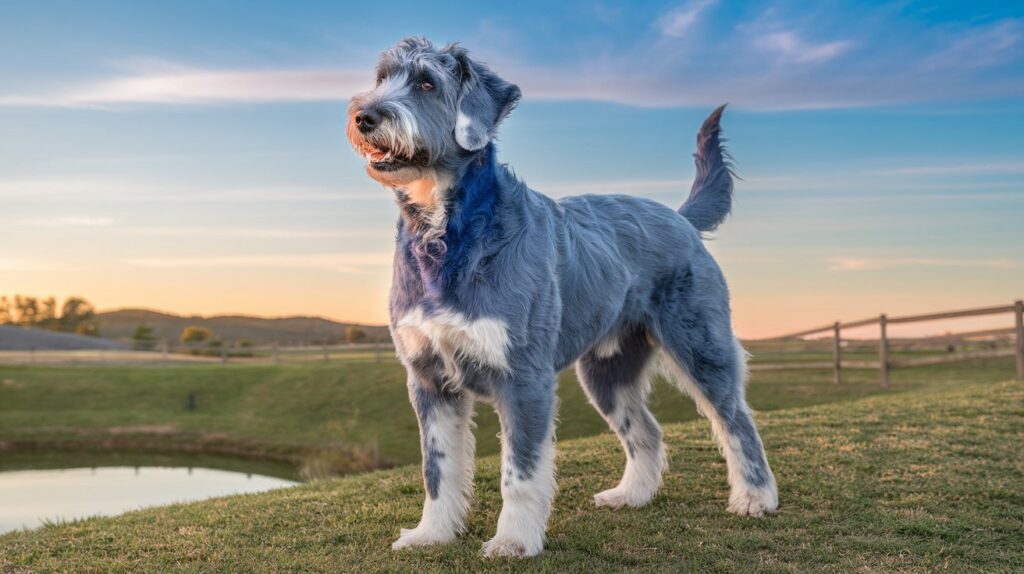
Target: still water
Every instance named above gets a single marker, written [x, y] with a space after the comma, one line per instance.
[29, 498]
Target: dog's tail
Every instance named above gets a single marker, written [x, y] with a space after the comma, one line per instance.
[711, 195]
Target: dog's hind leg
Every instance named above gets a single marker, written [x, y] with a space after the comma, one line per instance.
[526, 409]
[615, 377]
[705, 361]
[447, 443]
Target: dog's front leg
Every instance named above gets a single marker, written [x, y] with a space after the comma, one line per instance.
[446, 439]
[526, 408]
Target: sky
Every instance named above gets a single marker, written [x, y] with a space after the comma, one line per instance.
[190, 156]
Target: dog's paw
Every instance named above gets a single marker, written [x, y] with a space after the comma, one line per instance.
[510, 548]
[618, 497]
[413, 537]
[753, 501]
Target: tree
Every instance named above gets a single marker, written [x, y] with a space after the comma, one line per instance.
[75, 313]
[27, 309]
[143, 338]
[196, 335]
[47, 318]
[355, 334]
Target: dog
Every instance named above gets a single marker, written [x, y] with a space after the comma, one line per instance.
[497, 288]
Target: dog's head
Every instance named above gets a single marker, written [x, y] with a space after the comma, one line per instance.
[431, 108]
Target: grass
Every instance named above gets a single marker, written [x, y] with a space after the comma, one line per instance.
[284, 410]
[922, 481]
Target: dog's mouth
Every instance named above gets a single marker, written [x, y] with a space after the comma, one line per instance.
[385, 160]
[381, 158]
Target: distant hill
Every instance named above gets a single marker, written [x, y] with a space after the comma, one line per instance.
[14, 338]
[120, 324]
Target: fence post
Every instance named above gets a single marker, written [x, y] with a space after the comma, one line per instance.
[275, 352]
[836, 359]
[376, 348]
[1018, 311]
[223, 352]
[163, 350]
[883, 352]
[326, 358]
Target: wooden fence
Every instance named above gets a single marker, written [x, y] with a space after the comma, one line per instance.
[885, 364]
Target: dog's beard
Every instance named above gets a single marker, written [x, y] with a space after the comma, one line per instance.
[391, 147]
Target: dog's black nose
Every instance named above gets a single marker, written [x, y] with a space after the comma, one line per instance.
[367, 120]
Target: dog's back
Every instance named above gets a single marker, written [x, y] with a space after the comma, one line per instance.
[616, 252]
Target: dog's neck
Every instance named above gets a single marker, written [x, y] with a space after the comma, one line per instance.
[441, 239]
[428, 199]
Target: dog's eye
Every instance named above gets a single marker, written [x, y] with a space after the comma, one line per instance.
[380, 80]
[426, 86]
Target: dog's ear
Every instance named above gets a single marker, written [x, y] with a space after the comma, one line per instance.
[484, 101]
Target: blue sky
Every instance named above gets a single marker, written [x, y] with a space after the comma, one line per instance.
[190, 156]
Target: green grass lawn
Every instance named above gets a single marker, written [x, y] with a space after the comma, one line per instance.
[922, 481]
[285, 409]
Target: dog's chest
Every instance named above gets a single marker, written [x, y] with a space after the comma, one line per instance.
[441, 293]
[459, 344]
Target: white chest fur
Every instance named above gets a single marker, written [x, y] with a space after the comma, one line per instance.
[455, 338]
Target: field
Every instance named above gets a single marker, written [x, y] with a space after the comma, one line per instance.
[340, 416]
[926, 479]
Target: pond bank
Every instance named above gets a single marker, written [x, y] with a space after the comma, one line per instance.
[304, 462]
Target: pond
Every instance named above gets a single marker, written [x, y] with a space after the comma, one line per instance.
[63, 487]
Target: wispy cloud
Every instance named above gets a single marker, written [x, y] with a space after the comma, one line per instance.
[362, 262]
[791, 47]
[143, 191]
[167, 83]
[626, 186]
[1012, 167]
[983, 47]
[778, 61]
[800, 78]
[873, 263]
[677, 22]
[257, 233]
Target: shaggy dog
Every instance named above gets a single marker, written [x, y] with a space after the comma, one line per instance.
[497, 288]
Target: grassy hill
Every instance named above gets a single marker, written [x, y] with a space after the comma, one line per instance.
[120, 324]
[923, 481]
[349, 408]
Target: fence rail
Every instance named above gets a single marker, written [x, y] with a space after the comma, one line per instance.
[163, 353]
[885, 364]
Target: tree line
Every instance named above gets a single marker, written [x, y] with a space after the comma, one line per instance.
[76, 315]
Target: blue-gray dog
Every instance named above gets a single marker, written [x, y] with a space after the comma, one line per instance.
[497, 288]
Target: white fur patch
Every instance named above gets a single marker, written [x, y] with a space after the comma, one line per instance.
[526, 505]
[462, 135]
[452, 336]
[444, 518]
[744, 499]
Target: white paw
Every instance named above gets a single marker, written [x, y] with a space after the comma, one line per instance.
[618, 497]
[511, 548]
[412, 537]
[754, 501]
